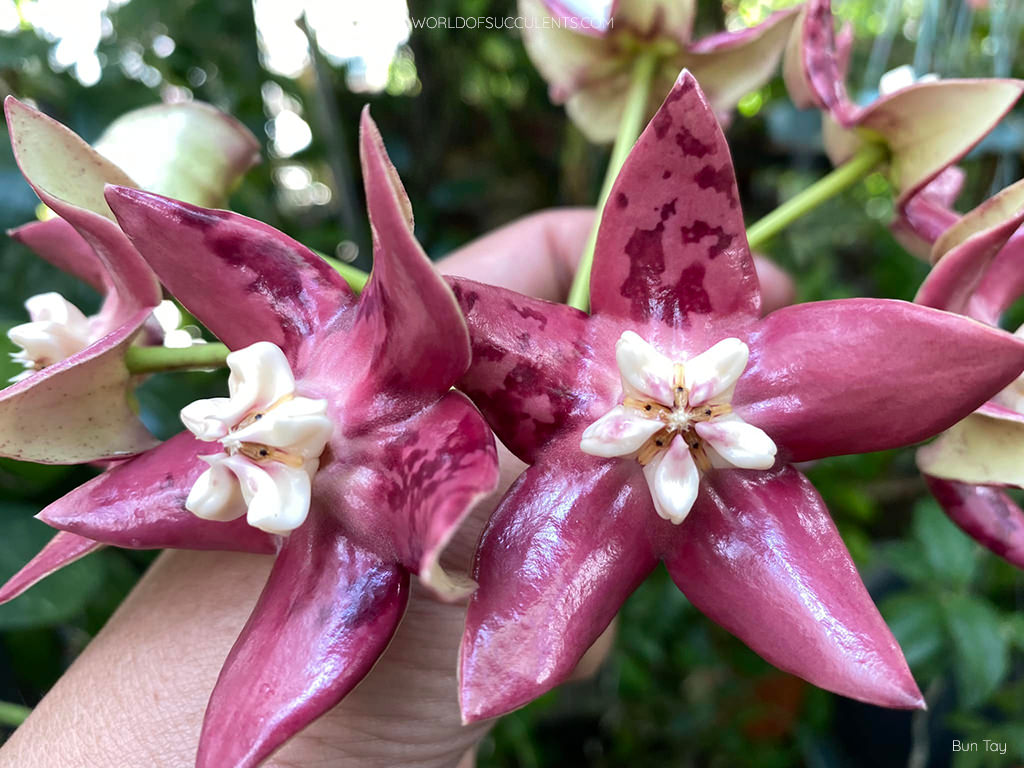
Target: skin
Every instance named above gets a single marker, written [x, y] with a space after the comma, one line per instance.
[136, 695]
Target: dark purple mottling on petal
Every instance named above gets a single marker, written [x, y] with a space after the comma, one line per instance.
[679, 251]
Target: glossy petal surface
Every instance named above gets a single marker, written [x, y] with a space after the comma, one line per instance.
[986, 514]
[407, 319]
[276, 289]
[668, 258]
[859, 375]
[328, 611]
[63, 549]
[536, 370]
[1002, 284]
[140, 504]
[760, 555]
[403, 491]
[565, 548]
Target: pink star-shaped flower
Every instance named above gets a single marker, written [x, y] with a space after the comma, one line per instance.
[703, 407]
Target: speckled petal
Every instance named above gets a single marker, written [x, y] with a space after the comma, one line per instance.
[672, 248]
[140, 504]
[327, 613]
[242, 279]
[404, 490]
[565, 548]
[63, 549]
[760, 556]
[986, 514]
[535, 370]
[859, 375]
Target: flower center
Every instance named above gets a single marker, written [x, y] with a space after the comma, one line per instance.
[677, 420]
[271, 438]
[57, 330]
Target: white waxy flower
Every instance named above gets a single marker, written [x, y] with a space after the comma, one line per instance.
[271, 438]
[677, 420]
[57, 330]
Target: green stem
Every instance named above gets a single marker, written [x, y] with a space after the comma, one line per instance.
[13, 715]
[632, 123]
[843, 177]
[155, 359]
[354, 276]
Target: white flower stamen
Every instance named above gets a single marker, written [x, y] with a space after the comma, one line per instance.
[57, 330]
[271, 438]
[677, 420]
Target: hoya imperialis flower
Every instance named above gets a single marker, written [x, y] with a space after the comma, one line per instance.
[73, 405]
[979, 272]
[916, 123]
[755, 550]
[405, 459]
[587, 52]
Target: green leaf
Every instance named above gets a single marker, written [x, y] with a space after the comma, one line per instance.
[981, 653]
[916, 621]
[950, 555]
[59, 596]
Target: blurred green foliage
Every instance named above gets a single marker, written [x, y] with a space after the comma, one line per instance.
[469, 125]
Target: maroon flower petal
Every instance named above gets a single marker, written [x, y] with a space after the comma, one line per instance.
[729, 65]
[76, 410]
[404, 489]
[63, 549]
[985, 513]
[327, 613]
[242, 279]
[45, 151]
[565, 548]
[57, 242]
[929, 213]
[672, 248]
[760, 556]
[408, 321]
[140, 504]
[535, 368]
[859, 375]
[815, 62]
[963, 257]
[1002, 284]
